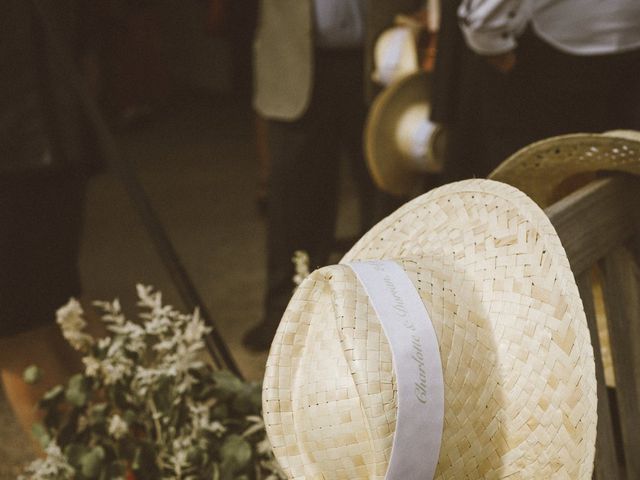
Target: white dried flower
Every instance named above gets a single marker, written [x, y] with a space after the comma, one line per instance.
[217, 428]
[148, 298]
[118, 428]
[71, 321]
[157, 325]
[195, 329]
[180, 448]
[116, 368]
[53, 467]
[166, 345]
[258, 425]
[201, 420]
[301, 262]
[144, 378]
[264, 446]
[115, 348]
[112, 312]
[132, 337]
[152, 364]
[91, 366]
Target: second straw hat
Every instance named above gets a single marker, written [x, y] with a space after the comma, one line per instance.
[401, 143]
[395, 54]
[517, 368]
[552, 168]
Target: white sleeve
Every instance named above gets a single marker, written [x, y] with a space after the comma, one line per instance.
[490, 27]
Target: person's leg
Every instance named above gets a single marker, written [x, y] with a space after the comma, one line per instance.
[262, 154]
[351, 112]
[300, 197]
[301, 205]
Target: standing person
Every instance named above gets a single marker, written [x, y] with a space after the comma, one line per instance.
[553, 67]
[456, 100]
[43, 175]
[313, 62]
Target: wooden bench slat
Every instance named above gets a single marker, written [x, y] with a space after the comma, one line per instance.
[606, 467]
[595, 219]
[622, 303]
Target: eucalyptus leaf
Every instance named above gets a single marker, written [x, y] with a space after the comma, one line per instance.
[97, 414]
[235, 454]
[116, 469]
[74, 453]
[54, 395]
[41, 434]
[32, 374]
[248, 401]
[220, 412]
[92, 462]
[227, 385]
[130, 417]
[77, 392]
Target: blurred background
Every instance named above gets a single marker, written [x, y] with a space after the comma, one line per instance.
[167, 88]
[172, 79]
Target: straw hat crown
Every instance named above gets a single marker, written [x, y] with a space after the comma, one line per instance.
[519, 376]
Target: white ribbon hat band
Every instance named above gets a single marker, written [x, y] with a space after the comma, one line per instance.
[417, 366]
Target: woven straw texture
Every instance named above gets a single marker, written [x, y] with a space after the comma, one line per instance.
[520, 389]
[550, 169]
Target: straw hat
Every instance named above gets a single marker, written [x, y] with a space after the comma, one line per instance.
[395, 54]
[550, 169]
[401, 143]
[518, 375]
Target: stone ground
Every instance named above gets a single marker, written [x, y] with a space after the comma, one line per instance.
[197, 164]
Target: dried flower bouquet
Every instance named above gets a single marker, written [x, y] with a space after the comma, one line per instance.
[148, 404]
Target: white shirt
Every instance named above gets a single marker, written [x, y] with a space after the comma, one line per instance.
[580, 27]
[339, 23]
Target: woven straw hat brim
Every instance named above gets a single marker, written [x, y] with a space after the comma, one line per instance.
[520, 389]
[550, 169]
[382, 154]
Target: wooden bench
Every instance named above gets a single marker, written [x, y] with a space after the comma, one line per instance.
[600, 225]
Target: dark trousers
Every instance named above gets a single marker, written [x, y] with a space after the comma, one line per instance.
[304, 178]
[548, 93]
[41, 217]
